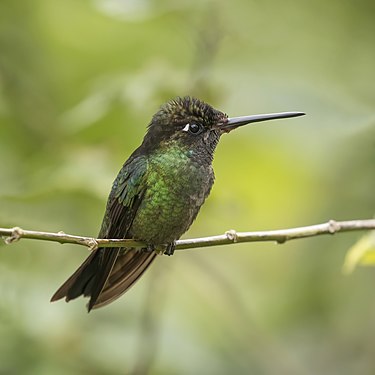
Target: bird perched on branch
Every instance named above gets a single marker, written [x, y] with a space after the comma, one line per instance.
[156, 196]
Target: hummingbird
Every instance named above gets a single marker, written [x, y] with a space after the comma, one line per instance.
[156, 196]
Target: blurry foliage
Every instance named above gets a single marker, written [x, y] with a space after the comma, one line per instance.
[79, 81]
[362, 252]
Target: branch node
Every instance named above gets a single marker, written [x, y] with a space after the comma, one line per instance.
[333, 226]
[232, 235]
[15, 236]
[92, 244]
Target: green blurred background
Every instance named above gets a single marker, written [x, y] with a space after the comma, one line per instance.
[79, 82]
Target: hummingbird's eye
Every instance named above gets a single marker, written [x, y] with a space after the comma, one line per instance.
[193, 128]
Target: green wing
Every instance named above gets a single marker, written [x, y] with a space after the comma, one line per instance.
[123, 202]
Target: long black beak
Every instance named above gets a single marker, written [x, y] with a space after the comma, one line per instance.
[235, 122]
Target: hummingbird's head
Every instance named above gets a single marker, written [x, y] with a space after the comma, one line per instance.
[196, 125]
[187, 122]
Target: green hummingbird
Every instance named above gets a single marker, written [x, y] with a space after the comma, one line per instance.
[156, 196]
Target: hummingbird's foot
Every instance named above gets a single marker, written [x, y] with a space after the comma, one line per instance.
[170, 248]
[149, 249]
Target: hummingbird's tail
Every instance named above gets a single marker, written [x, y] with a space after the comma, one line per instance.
[105, 275]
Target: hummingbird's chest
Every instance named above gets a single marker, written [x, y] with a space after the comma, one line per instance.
[177, 186]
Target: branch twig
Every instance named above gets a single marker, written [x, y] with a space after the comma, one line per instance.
[230, 237]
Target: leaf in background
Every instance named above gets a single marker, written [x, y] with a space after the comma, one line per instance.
[361, 253]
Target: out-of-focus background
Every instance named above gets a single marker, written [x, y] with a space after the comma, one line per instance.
[79, 82]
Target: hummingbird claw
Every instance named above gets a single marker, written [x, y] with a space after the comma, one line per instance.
[149, 249]
[170, 248]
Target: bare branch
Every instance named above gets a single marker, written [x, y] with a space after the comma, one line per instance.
[279, 236]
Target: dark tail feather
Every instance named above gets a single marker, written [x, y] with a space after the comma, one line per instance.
[77, 284]
[105, 276]
[129, 267]
[90, 277]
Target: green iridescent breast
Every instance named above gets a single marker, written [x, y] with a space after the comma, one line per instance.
[177, 185]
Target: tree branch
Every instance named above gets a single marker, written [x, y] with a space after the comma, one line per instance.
[279, 236]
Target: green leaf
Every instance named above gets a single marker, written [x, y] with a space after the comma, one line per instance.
[361, 253]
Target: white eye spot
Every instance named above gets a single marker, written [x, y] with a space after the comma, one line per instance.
[186, 128]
